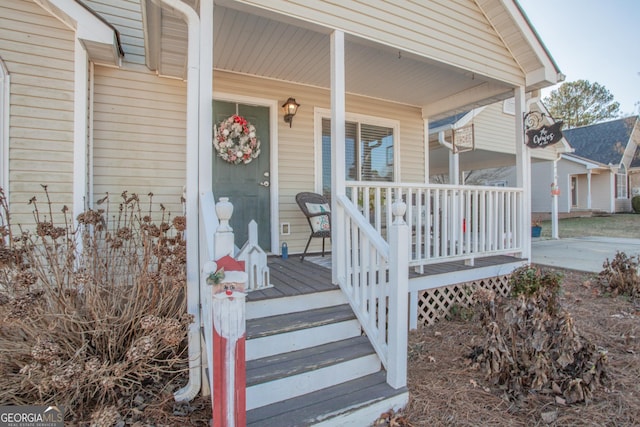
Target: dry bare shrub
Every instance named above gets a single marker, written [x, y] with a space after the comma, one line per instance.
[621, 276]
[91, 315]
[532, 343]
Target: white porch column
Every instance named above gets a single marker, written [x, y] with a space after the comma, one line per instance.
[425, 122]
[398, 297]
[588, 188]
[338, 117]
[554, 203]
[205, 130]
[205, 134]
[454, 168]
[523, 172]
[612, 191]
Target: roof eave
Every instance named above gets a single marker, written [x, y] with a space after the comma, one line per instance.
[100, 39]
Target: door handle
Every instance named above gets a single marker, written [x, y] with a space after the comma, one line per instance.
[264, 183]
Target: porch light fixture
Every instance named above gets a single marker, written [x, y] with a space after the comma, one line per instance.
[290, 109]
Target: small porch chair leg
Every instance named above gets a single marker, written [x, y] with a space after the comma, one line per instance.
[307, 247]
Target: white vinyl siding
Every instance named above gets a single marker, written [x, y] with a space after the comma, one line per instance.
[38, 51]
[139, 136]
[455, 32]
[126, 17]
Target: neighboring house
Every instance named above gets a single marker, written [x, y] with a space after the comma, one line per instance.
[599, 175]
[492, 161]
[112, 95]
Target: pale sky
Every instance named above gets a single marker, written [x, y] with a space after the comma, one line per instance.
[595, 40]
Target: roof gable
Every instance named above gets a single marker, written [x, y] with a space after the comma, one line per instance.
[635, 162]
[602, 142]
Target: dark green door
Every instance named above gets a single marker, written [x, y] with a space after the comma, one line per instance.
[246, 185]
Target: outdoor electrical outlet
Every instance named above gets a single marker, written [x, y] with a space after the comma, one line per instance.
[285, 228]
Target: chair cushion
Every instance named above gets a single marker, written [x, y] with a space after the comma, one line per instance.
[319, 222]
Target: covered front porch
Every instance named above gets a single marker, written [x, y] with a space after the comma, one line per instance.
[368, 77]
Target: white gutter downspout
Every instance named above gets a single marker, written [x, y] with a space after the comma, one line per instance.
[80, 126]
[454, 160]
[190, 391]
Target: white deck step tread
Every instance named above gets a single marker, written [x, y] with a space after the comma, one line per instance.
[294, 363]
[335, 402]
[295, 303]
[283, 323]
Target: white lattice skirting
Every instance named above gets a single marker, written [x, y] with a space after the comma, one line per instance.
[435, 304]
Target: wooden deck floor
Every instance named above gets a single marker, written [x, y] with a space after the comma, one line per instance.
[450, 267]
[291, 277]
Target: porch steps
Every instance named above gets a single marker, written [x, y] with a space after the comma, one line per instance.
[313, 366]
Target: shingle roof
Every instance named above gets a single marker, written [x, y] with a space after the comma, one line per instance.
[602, 142]
[447, 120]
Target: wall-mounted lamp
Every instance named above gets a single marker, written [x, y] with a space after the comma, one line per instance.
[290, 109]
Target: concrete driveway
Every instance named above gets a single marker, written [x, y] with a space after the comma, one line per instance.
[581, 253]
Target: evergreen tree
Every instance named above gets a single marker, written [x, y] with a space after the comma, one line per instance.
[581, 103]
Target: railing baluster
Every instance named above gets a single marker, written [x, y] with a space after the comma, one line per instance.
[378, 210]
[445, 209]
[467, 222]
[474, 226]
[435, 243]
[364, 270]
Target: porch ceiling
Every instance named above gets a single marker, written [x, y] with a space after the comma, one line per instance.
[257, 42]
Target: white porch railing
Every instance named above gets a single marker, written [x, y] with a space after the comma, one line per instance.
[374, 276]
[448, 222]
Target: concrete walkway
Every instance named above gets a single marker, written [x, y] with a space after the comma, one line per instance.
[581, 253]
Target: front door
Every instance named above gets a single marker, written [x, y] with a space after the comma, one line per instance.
[246, 185]
[574, 191]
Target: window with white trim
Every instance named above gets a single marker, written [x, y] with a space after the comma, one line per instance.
[369, 152]
[621, 183]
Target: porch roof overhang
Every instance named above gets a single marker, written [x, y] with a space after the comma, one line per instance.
[252, 39]
[100, 39]
[588, 164]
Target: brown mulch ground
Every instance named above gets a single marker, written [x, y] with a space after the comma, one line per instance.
[447, 390]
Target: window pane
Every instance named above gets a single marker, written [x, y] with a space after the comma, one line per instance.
[376, 147]
[351, 169]
[370, 160]
[351, 153]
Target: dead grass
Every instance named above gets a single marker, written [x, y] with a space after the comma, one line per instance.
[617, 225]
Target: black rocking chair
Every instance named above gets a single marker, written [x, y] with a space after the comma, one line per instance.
[315, 208]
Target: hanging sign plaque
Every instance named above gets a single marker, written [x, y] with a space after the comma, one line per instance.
[538, 134]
